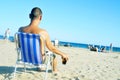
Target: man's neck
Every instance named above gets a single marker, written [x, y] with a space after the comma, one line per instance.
[34, 22]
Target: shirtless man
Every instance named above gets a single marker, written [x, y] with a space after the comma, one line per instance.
[33, 27]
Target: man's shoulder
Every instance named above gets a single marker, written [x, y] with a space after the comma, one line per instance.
[43, 30]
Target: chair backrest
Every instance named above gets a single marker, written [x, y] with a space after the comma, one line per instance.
[30, 48]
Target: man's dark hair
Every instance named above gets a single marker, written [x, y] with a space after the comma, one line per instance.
[35, 12]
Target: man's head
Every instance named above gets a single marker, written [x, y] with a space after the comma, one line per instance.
[35, 13]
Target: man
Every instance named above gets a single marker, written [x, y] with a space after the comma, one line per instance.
[7, 34]
[56, 43]
[33, 27]
[110, 47]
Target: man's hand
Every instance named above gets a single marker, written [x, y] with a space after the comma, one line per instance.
[64, 59]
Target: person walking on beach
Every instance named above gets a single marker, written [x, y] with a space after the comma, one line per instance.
[33, 27]
[110, 47]
[7, 34]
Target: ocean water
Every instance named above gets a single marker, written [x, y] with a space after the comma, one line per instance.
[73, 44]
[81, 45]
[11, 38]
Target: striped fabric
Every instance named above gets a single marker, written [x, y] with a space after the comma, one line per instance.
[30, 48]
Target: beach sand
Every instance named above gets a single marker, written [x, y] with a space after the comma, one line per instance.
[82, 65]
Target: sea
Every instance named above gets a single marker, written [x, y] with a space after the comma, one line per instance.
[74, 44]
[83, 45]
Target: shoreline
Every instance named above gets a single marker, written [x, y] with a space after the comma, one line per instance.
[80, 45]
[76, 44]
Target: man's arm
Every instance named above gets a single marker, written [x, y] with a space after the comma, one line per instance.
[54, 49]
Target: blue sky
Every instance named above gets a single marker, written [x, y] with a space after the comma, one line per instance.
[81, 21]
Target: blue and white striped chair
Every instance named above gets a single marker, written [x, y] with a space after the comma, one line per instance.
[29, 51]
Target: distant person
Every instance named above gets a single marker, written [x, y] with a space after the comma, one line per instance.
[96, 48]
[56, 43]
[7, 34]
[90, 46]
[93, 48]
[103, 49]
[110, 47]
[36, 17]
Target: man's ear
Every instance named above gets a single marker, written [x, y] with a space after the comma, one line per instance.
[40, 17]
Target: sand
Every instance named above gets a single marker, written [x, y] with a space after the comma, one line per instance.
[82, 65]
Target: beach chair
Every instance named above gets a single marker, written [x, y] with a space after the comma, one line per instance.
[29, 52]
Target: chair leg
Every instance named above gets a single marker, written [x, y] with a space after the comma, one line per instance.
[15, 70]
[46, 73]
[48, 63]
[24, 67]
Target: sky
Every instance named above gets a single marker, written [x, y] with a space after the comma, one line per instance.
[79, 21]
